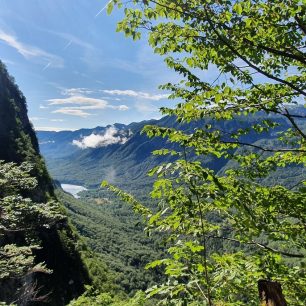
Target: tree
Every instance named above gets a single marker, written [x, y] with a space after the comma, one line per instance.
[20, 221]
[227, 230]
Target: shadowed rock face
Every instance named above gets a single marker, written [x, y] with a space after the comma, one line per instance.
[18, 140]
[18, 143]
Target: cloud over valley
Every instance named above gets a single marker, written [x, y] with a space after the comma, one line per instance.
[110, 136]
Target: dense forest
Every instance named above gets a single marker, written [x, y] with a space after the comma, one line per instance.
[205, 206]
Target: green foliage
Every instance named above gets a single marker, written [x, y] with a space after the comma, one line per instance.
[18, 139]
[21, 214]
[17, 261]
[35, 237]
[104, 299]
[119, 250]
[21, 218]
[227, 230]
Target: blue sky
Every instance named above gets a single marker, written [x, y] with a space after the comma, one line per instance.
[74, 69]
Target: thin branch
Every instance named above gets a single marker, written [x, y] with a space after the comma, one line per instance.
[297, 184]
[202, 291]
[300, 24]
[237, 53]
[262, 148]
[203, 237]
[229, 45]
[287, 115]
[260, 245]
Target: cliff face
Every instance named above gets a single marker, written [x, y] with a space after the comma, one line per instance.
[18, 142]
[57, 242]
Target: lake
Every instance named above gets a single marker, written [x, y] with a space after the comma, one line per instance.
[73, 189]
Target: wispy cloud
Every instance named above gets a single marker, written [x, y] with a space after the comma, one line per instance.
[75, 91]
[78, 103]
[144, 63]
[83, 101]
[119, 107]
[71, 112]
[145, 107]
[31, 52]
[43, 106]
[69, 38]
[36, 118]
[57, 120]
[68, 44]
[47, 66]
[51, 128]
[136, 94]
[73, 40]
[8, 62]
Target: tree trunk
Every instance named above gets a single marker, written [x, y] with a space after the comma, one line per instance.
[270, 293]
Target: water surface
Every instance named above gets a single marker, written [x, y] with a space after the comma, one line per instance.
[73, 189]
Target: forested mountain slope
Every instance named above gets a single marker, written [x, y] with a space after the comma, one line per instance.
[39, 262]
[112, 230]
[122, 155]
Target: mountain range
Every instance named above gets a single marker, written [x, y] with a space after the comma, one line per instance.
[121, 154]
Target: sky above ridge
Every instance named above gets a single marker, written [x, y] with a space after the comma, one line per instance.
[74, 69]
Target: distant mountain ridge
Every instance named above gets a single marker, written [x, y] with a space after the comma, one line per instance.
[127, 163]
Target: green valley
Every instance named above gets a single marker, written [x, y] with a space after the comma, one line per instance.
[165, 172]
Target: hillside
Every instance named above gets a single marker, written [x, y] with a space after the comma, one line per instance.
[121, 154]
[112, 230]
[39, 261]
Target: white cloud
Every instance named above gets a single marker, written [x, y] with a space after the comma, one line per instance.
[136, 94]
[85, 102]
[32, 52]
[144, 107]
[68, 45]
[47, 66]
[71, 40]
[75, 91]
[104, 7]
[109, 137]
[71, 112]
[36, 118]
[79, 102]
[57, 120]
[51, 128]
[110, 174]
[46, 142]
[43, 106]
[8, 62]
[119, 107]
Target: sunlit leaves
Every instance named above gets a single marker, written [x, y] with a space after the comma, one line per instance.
[22, 217]
[226, 230]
